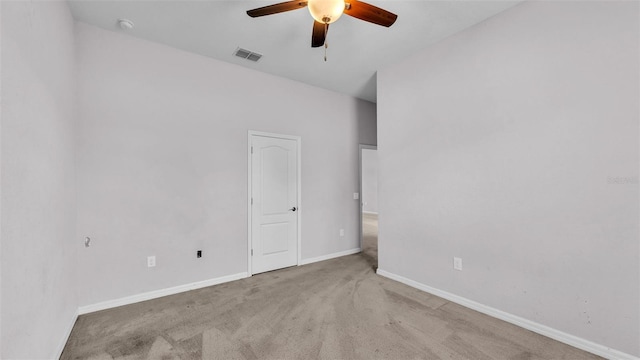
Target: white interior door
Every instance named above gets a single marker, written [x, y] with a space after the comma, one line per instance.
[274, 203]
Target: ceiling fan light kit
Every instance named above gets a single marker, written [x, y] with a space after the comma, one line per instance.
[325, 12]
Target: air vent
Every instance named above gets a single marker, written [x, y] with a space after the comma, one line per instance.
[246, 54]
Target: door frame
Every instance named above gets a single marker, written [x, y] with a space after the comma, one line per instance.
[298, 141]
[362, 147]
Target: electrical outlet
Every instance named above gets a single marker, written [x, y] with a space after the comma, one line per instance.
[457, 263]
[356, 196]
[199, 253]
[341, 232]
[151, 261]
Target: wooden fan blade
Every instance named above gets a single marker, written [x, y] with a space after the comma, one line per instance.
[277, 8]
[319, 34]
[370, 13]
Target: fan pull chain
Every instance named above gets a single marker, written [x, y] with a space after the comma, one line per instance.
[325, 50]
[326, 30]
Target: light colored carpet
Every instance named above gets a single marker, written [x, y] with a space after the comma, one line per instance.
[335, 309]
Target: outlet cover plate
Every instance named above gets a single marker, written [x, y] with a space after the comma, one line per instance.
[457, 263]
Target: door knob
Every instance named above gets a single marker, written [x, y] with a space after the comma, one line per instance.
[293, 209]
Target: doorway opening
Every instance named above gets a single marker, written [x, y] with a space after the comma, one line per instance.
[369, 203]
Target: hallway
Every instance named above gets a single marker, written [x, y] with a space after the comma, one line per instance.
[370, 238]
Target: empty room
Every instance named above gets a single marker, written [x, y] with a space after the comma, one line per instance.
[321, 179]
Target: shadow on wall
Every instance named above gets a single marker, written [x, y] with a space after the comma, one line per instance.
[367, 122]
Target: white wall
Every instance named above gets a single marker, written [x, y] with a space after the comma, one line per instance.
[162, 163]
[370, 180]
[1, 101]
[367, 123]
[39, 297]
[514, 145]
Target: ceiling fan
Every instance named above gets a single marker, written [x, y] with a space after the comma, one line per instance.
[325, 12]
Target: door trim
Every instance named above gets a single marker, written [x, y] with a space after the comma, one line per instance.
[362, 147]
[298, 141]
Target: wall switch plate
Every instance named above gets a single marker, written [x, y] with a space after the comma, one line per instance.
[356, 196]
[457, 263]
[341, 232]
[151, 261]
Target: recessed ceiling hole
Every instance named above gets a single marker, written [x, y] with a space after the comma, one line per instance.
[125, 24]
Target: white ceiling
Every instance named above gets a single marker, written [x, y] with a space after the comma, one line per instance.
[357, 49]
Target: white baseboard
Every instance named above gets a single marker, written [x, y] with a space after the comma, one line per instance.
[158, 293]
[370, 212]
[67, 334]
[558, 335]
[330, 256]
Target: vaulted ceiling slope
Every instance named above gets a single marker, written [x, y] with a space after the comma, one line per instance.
[356, 49]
